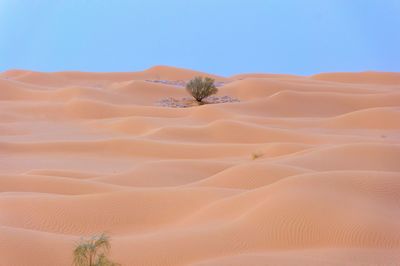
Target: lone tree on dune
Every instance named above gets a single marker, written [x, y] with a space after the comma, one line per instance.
[201, 88]
[93, 251]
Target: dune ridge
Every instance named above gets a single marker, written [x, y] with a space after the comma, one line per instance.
[302, 171]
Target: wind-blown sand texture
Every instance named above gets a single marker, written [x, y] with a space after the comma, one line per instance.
[83, 153]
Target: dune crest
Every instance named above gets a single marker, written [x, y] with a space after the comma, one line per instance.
[301, 171]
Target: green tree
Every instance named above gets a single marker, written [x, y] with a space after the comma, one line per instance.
[201, 88]
[93, 251]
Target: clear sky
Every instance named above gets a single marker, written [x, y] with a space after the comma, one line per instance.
[217, 36]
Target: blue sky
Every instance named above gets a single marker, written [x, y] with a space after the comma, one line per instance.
[218, 36]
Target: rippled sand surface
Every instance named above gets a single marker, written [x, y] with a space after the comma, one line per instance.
[301, 171]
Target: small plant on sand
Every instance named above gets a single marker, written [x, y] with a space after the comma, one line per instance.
[256, 155]
[93, 251]
[201, 88]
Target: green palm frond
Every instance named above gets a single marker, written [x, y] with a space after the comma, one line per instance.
[81, 254]
[92, 251]
[101, 242]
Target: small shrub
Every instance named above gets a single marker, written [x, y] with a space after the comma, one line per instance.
[93, 251]
[201, 88]
[256, 155]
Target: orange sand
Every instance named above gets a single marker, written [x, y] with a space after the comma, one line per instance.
[82, 153]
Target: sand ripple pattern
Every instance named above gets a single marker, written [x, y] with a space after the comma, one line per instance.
[301, 171]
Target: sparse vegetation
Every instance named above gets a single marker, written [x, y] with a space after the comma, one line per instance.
[201, 88]
[93, 252]
[256, 155]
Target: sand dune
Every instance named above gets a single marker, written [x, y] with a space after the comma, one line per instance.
[362, 77]
[302, 171]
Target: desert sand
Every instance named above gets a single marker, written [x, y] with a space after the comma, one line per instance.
[84, 153]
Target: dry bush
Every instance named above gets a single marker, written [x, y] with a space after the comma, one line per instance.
[256, 155]
[201, 88]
